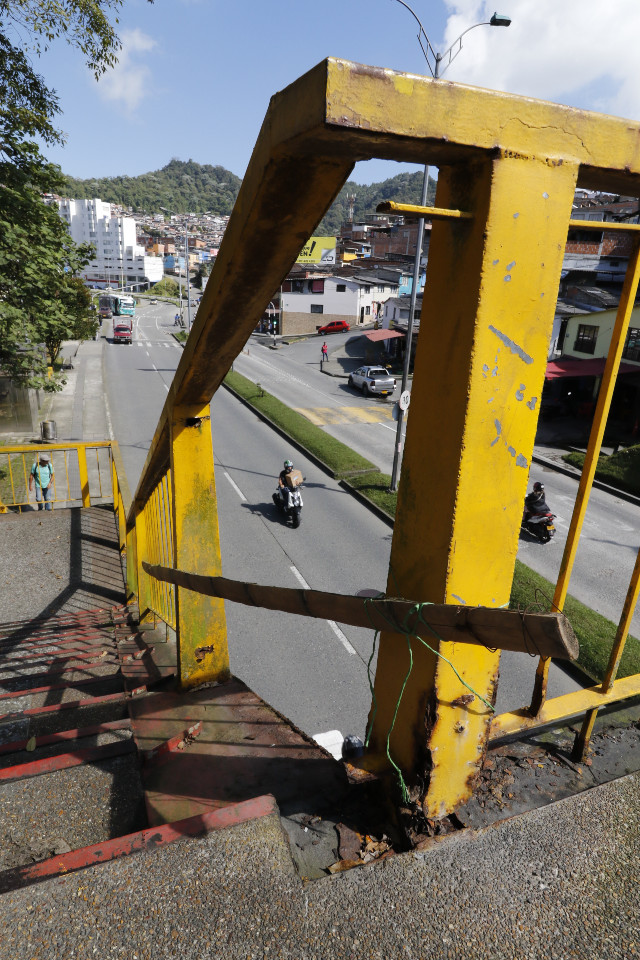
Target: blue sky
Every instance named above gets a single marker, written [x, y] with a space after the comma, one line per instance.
[195, 76]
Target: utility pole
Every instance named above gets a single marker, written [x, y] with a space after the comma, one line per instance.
[433, 62]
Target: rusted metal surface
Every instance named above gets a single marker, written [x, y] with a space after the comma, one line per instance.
[245, 749]
[150, 839]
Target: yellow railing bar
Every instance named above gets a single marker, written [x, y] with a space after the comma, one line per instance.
[605, 394]
[429, 213]
[604, 225]
[631, 599]
[84, 477]
[35, 448]
[560, 708]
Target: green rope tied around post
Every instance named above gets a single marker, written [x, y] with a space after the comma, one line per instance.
[403, 629]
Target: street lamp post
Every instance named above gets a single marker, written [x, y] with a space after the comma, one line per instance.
[434, 61]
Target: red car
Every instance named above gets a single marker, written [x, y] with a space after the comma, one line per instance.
[336, 326]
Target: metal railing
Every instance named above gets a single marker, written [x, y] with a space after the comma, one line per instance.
[511, 166]
[508, 169]
[82, 474]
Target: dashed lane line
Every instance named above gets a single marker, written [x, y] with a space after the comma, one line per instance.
[334, 626]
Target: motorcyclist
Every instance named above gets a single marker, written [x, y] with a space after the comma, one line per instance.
[535, 502]
[284, 486]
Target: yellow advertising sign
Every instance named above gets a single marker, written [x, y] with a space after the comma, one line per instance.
[318, 250]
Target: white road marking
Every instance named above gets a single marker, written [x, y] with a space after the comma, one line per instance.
[235, 486]
[334, 626]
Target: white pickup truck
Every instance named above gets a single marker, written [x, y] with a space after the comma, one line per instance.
[373, 380]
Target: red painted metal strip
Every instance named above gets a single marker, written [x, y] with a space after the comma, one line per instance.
[89, 616]
[48, 657]
[63, 761]
[150, 839]
[128, 657]
[173, 744]
[70, 705]
[16, 746]
[88, 640]
[72, 685]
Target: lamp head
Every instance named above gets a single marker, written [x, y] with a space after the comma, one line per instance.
[498, 20]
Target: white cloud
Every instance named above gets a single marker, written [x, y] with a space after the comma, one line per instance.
[579, 52]
[128, 81]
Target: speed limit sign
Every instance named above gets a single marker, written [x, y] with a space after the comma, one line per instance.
[405, 399]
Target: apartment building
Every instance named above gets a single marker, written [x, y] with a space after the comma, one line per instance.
[119, 261]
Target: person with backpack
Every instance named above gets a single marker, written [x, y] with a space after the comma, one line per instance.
[41, 476]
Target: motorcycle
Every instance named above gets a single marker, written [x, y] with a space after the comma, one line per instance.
[541, 525]
[291, 512]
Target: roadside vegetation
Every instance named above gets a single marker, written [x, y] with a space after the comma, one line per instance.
[621, 469]
[529, 589]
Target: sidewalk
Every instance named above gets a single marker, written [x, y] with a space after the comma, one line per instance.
[79, 409]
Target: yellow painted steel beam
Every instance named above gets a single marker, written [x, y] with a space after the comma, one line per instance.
[603, 403]
[429, 213]
[479, 372]
[314, 131]
[561, 708]
[200, 621]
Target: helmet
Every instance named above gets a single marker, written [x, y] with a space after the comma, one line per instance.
[288, 465]
[538, 487]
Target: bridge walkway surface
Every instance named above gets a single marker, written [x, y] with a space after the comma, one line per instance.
[139, 824]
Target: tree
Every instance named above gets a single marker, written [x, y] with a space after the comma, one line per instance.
[40, 296]
[167, 287]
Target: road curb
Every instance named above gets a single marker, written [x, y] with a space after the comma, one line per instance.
[294, 443]
[373, 507]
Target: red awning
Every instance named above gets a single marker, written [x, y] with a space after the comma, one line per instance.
[376, 335]
[572, 367]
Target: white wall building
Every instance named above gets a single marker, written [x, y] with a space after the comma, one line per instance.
[119, 260]
[311, 302]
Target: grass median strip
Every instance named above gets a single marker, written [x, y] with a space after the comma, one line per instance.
[595, 632]
[620, 469]
[339, 458]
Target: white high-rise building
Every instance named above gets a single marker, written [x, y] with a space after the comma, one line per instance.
[119, 260]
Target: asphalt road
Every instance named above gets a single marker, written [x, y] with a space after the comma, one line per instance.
[611, 533]
[292, 373]
[313, 671]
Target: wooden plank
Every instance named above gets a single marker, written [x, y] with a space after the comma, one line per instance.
[547, 634]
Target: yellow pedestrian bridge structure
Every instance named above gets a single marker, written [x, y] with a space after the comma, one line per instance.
[508, 170]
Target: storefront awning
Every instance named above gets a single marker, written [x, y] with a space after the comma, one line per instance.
[376, 335]
[571, 367]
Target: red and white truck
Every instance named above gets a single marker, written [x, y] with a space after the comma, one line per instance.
[122, 330]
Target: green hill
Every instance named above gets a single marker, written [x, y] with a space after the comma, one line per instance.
[190, 187]
[180, 187]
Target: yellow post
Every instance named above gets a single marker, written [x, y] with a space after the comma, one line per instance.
[479, 373]
[200, 621]
[131, 564]
[83, 475]
[143, 580]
